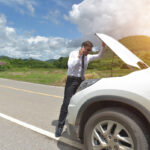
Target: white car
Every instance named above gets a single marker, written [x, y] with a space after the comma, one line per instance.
[113, 113]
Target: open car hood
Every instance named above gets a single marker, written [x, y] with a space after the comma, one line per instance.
[124, 53]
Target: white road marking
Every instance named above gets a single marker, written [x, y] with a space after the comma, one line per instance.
[43, 132]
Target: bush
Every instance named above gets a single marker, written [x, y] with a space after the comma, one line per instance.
[61, 63]
[4, 66]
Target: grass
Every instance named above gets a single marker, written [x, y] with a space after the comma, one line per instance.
[43, 76]
[54, 76]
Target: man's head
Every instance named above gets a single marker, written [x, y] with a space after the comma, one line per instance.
[87, 46]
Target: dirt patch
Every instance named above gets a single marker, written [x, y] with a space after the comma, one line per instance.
[17, 73]
[91, 76]
[57, 72]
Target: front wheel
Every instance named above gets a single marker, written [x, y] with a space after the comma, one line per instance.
[114, 129]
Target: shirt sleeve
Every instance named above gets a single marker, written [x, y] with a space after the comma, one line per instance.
[96, 56]
[73, 60]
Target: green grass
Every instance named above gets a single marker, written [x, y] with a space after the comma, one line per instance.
[43, 76]
[54, 76]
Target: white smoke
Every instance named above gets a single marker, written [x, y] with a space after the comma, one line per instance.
[118, 18]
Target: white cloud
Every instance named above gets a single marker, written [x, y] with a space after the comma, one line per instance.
[29, 4]
[37, 39]
[37, 47]
[118, 18]
[10, 30]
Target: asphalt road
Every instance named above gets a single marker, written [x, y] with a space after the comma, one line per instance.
[28, 117]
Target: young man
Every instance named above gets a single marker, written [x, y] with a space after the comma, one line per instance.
[77, 64]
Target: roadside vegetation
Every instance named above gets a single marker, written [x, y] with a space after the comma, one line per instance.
[54, 72]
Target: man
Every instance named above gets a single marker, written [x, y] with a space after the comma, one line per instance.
[77, 64]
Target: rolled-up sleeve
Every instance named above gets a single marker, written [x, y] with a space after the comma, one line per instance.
[96, 56]
[73, 60]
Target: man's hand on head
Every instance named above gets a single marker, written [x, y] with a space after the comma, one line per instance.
[81, 52]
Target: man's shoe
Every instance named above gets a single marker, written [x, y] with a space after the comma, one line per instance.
[58, 131]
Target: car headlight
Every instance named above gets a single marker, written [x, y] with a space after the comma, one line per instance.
[86, 83]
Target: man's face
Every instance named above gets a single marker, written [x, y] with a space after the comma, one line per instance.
[87, 49]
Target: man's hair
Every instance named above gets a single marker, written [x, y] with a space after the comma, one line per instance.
[87, 43]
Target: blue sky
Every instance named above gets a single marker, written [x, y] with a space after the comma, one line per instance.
[46, 20]
[50, 29]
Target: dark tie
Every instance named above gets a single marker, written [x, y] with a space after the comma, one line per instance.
[83, 61]
[82, 70]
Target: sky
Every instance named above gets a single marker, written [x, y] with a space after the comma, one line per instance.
[50, 29]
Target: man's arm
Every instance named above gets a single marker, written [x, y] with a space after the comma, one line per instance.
[97, 56]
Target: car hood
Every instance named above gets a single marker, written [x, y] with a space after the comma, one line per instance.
[124, 53]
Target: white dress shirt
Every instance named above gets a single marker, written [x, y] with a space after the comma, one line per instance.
[75, 63]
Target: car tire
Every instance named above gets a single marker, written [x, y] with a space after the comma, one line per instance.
[130, 126]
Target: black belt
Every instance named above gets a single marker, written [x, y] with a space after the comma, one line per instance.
[74, 77]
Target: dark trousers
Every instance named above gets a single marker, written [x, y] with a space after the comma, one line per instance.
[71, 86]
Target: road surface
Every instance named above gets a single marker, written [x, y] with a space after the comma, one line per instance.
[28, 117]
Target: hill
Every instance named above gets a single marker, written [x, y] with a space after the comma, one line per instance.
[136, 43]
[139, 45]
